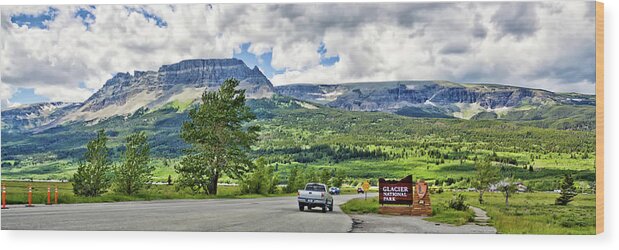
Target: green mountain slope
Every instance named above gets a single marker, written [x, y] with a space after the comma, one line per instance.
[295, 133]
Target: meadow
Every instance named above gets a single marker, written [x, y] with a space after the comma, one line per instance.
[527, 213]
[365, 145]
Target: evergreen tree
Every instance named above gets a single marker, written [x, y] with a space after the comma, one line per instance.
[93, 176]
[568, 191]
[135, 171]
[219, 139]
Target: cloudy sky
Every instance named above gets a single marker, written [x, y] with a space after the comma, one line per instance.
[65, 53]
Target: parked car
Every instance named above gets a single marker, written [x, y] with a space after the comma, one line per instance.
[315, 195]
[334, 190]
[360, 190]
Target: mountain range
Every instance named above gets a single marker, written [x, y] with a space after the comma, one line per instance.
[181, 84]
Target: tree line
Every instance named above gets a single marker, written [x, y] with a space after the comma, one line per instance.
[97, 173]
[219, 140]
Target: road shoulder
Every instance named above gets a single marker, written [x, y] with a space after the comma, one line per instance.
[378, 223]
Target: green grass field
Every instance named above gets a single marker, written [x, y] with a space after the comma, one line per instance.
[528, 213]
[17, 193]
[535, 213]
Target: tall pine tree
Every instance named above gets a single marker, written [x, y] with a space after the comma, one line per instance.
[568, 191]
[219, 139]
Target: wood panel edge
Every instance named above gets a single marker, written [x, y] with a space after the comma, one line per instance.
[599, 117]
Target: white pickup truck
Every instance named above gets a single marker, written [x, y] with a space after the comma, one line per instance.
[315, 195]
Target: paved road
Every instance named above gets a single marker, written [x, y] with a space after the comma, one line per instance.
[278, 214]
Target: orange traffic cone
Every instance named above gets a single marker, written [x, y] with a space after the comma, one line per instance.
[49, 196]
[29, 197]
[4, 197]
[56, 195]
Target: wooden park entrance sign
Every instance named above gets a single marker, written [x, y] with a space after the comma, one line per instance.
[407, 200]
[421, 200]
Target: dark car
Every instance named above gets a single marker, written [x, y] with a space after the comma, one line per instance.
[334, 190]
[360, 191]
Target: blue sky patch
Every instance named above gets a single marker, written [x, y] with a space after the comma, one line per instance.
[263, 61]
[82, 85]
[27, 96]
[86, 16]
[149, 16]
[324, 60]
[35, 20]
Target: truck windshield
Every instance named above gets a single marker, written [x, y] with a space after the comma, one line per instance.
[315, 187]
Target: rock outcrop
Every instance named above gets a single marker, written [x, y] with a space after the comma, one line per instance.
[36, 115]
[452, 99]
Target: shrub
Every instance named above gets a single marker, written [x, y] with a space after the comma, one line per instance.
[262, 180]
[457, 203]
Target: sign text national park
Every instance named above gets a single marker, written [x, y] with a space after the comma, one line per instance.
[396, 192]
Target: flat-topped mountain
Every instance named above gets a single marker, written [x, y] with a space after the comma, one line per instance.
[180, 82]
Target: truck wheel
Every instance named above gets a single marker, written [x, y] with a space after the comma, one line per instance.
[324, 208]
[331, 207]
[301, 207]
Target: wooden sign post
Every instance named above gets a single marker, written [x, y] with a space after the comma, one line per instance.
[412, 201]
[421, 200]
[392, 192]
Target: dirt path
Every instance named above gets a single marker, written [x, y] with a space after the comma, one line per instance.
[481, 218]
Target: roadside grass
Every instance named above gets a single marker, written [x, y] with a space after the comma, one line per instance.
[451, 216]
[442, 213]
[17, 193]
[361, 206]
[534, 213]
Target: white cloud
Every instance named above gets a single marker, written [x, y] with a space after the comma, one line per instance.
[451, 41]
[63, 94]
[6, 91]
